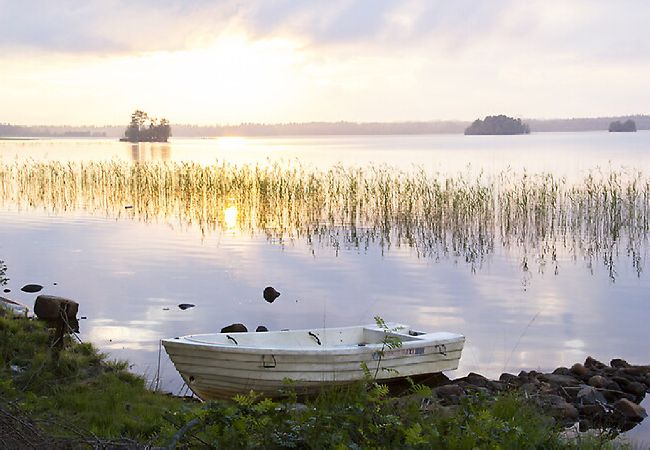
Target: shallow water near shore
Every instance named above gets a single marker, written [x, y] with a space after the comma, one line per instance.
[518, 309]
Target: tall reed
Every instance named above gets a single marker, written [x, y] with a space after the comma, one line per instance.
[463, 216]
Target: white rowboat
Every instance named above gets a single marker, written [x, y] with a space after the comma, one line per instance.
[220, 365]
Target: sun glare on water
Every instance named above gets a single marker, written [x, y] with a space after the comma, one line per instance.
[230, 217]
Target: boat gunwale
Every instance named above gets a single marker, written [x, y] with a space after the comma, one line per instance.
[424, 340]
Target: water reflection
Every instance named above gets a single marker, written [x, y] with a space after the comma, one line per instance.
[597, 219]
[147, 151]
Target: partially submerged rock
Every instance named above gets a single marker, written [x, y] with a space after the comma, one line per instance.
[235, 328]
[270, 294]
[31, 288]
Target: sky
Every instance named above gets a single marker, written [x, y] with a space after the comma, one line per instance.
[83, 62]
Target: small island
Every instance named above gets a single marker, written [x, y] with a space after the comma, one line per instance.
[497, 125]
[629, 126]
[146, 129]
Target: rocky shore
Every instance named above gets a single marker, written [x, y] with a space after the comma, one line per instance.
[593, 395]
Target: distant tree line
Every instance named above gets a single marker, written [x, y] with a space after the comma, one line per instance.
[318, 128]
[497, 125]
[617, 126]
[147, 129]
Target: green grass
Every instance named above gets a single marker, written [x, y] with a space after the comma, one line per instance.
[80, 393]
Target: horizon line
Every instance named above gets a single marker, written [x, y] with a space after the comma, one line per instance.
[350, 122]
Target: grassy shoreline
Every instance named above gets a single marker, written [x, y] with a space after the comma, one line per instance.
[78, 398]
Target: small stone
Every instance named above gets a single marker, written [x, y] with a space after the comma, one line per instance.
[631, 410]
[597, 381]
[261, 329]
[528, 388]
[270, 294]
[476, 380]
[235, 328]
[31, 288]
[592, 411]
[612, 386]
[496, 386]
[635, 388]
[580, 370]
[563, 371]
[588, 395]
[449, 390]
[619, 363]
[560, 408]
[592, 363]
[185, 306]
[612, 396]
[6, 291]
[509, 378]
[559, 380]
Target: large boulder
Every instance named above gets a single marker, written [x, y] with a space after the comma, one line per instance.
[58, 312]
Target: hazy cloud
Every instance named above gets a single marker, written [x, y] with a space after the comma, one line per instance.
[589, 29]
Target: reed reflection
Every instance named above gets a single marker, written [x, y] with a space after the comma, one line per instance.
[601, 217]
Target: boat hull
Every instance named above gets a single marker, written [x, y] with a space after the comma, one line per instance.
[220, 366]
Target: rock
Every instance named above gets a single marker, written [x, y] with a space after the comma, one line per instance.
[6, 291]
[612, 385]
[529, 388]
[31, 288]
[559, 380]
[510, 379]
[58, 312]
[592, 363]
[261, 329]
[299, 408]
[270, 294]
[588, 395]
[580, 370]
[630, 410]
[563, 371]
[475, 379]
[597, 381]
[619, 363]
[185, 306]
[632, 387]
[234, 328]
[449, 392]
[496, 386]
[611, 395]
[592, 411]
[560, 408]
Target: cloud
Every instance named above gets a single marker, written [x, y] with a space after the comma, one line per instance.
[112, 26]
[584, 29]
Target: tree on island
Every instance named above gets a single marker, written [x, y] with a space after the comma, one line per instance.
[146, 129]
[617, 126]
[497, 125]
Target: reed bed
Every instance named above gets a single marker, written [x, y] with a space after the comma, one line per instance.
[462, 216]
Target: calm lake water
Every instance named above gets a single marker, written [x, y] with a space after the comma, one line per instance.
[518, 310]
